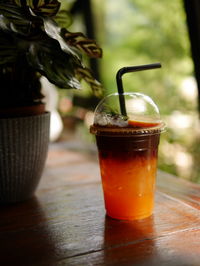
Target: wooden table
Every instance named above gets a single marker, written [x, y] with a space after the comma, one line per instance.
[65, 223]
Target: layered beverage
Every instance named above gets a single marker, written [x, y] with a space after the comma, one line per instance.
[128, 150]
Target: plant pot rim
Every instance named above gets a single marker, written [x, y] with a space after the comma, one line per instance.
[22, 111]
[25, 117]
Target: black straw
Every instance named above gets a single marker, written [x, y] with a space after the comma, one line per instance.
[125, 70]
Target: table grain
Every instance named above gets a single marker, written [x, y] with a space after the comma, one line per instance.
[65, 222]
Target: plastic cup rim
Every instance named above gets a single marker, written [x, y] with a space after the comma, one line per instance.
[127, 131]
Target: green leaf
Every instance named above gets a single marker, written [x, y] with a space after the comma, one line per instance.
[82, 43]
[53, 31]
[75, 42]
[72, 42]
[14, 19]
[42, 8]
[59, 67]
[85, 73]
[17, 2]
[8, 51]
[54, 55]
[63, 19]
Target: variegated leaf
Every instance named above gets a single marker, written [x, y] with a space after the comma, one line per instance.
[82, 43]
[8, 51]
[13, 19]
[63, 19]
[85, 73]
[53, 31]
[41, 8]
[59, 67]
[17, 2]
[46, 8]
[29, 3]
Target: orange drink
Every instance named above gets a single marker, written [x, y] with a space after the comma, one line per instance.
[127, 128]
[128, 164]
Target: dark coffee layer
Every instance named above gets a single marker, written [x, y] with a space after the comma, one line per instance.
[123, 156]
[131, 143]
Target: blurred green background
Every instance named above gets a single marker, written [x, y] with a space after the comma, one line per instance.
[134, 32]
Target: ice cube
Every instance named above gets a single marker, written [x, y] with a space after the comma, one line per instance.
[104, 119]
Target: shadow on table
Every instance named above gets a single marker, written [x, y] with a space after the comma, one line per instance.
[138, 243]
[25, 238]
[129, 242]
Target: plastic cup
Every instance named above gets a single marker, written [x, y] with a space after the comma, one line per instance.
[128, 155]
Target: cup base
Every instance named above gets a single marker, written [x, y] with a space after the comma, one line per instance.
[129, 218]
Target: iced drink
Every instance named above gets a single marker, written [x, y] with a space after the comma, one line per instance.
[128, 152]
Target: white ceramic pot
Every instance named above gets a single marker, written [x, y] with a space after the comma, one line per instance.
[23, 151]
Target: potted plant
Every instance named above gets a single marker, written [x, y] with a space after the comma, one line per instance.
[32, 43]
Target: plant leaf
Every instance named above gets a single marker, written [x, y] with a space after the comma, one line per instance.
[59, 67]
[85, 73]
[63, 18]
[82, 43]
[49, 52]
[14, 19]
[88, 47]
[41, 8]
[8, 51]
[53, 31]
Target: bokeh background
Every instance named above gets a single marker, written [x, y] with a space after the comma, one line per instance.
[134, 32]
